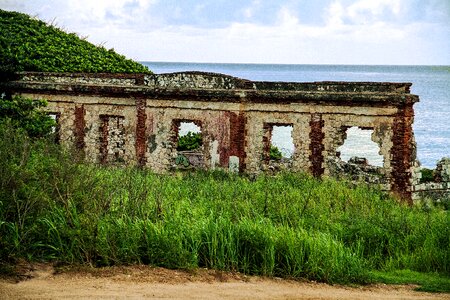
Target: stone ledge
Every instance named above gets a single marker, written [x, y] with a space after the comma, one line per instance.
[208, 80]
[372, 99]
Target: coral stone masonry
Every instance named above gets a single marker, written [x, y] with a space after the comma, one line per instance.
[133, 119]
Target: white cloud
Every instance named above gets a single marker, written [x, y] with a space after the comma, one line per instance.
[249, 11]
[335, 14]
[105, 12]
[286, 18]
[359, 32]
[363, 9]
[362, 12]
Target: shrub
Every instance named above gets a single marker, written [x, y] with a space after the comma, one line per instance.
[26, 114]
[275, 153]
[28, 44]
[190, 141]
[427, 175]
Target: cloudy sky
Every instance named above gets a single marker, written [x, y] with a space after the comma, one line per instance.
[258, 31]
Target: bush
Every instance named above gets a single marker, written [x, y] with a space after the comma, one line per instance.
[190, 141]
[427, 175]
[28, 44]
[26, 114]
[275, 153]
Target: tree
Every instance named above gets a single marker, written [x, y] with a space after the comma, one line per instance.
[190, 141]
[26, 114]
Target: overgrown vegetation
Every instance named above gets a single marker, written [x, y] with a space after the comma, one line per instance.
[56, 208]
[190, 141]
[288, 225]
[275, 153]
[428, 282]
[427, 175]
[28, 44]
[25, 114]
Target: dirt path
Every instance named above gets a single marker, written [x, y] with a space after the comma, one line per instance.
[143, 282]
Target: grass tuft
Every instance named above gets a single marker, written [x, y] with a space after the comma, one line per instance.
[427, 282]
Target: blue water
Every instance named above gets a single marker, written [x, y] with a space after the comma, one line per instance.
[430, 83]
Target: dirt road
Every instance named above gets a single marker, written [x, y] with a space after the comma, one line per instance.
[143, 282]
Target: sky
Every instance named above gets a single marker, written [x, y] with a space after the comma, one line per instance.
[380, 32]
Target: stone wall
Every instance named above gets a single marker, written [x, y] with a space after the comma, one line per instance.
[437, 190]
[134, 118]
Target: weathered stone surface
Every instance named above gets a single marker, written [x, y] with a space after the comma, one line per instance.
[134, 119]
[189, 160]
[438, 190]
[443, 170]
[216, 87]
[357, 169]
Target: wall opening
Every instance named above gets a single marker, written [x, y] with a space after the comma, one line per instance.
[189, 144]
[282, 140]
[55, 129]
[278, 146]
[358, 143]
[358, 158]
[112, 139]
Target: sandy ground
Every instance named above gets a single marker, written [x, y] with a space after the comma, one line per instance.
[143, 282]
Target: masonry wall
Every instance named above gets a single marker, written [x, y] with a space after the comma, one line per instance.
[437, 190]
[133, 119]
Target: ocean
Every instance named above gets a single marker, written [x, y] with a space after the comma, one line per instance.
[430, 83]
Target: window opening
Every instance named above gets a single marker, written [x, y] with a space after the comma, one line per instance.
[278, 146]
[282, 142]
[112, 139]
[358, 159]
[55, 129]
[189, 145]
[359, 146]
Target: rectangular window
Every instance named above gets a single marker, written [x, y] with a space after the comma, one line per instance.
[112, 139]
[56, 128]
[188, 144]
[278, 145]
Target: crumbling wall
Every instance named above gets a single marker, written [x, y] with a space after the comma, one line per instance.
[66, 122]
[257, 135]
[109, 130]
[437, 190]
[381, 124]
[133, 119]
[162, 136]
[112, 139]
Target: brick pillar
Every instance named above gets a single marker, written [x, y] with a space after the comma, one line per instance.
[267, 129]
[104, 132]
[402, 153]
[141, 129]
[237, 138]
[316, 146]
[80, 124]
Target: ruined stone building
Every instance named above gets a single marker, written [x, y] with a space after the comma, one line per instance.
[135, 119]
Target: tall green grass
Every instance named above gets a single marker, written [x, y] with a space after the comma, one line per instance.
[290, 225]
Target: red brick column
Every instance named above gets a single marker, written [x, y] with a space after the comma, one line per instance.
[237, 138]
[141, 129]
[402, 153]
[267, 129]
[80, 124]
[316, 146]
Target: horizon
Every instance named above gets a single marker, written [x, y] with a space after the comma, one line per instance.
[291, 64]
[325, 32]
